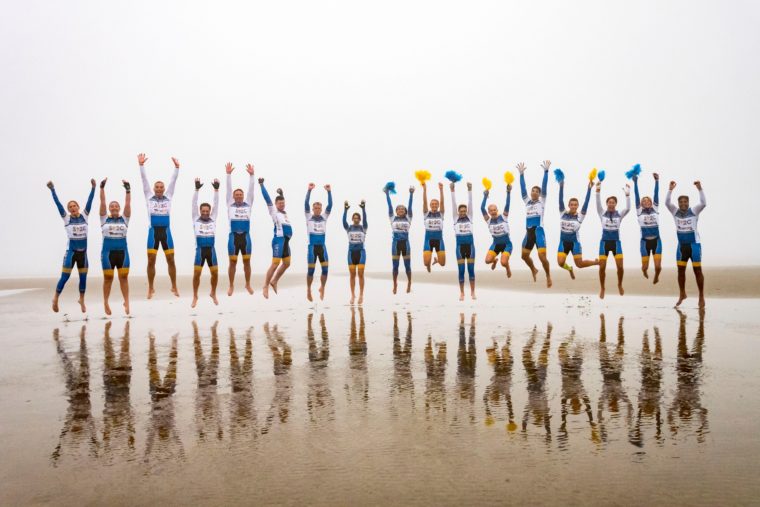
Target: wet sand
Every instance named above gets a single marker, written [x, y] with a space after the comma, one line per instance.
[545, 399]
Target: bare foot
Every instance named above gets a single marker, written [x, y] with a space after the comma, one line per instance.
[126, 307]
[681, 298]
[249, 288]
[461, 296]
[427, 266]
[493, 265]
[435, 260]
[175, 292]
[151, 291]
[309, 296]
[620, 289]
[548, 282]
[55, 304]
[572, 274]
[274, 286]
[646, 272]
[265, 291]
[195, 302]
[361, 298]
[230, 290]
[701, 302]
[408, 287]
[321, 293]
[395, 287]
[81, 304]
[213, 298]
[534, 272]
[107, 308]
[352, 300]
[473, 296]
[509, 272]
[601, 294]
[656, 277]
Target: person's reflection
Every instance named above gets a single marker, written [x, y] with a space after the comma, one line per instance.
[466, 359]
[498, 395]
[319, 398]
[687, 403]
[357, 386]
[118, 415]
[283, 383]
[402, 383]
[163, 438]
[208, 417]
[535, 373]
[435, 385]
[78, 425]
[650, 392]
[613, 392]
[243, 422]
[573, 391]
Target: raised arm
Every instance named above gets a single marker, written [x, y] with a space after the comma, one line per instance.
[509, 200]
[584, 209]
[545, 181]
[88, 205]
[697, 209]
[636, 199]
[669, 198]
[228, 194]
[141, 159]
[127, 199]
[599, 209]
[215, 208]
[627, 202]
[345, 216]
[328, 210]
[102, 211]
[523, 188]
[196, 214]
[656, 200]
[390, 204]
[561, 196]
[363, 206]
[251, 184]
[424, 199]
[469, 202]
[453, 203]
[410, 208]
[264, 193]
[307, 200]
[483, 203]
[173, 179]
[440, 191]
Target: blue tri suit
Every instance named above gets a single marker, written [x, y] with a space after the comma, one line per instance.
[357, 256]
[76, 248]
[400, 226]
[316, 226]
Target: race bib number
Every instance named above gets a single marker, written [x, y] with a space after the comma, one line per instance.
[240, 213]
[434, 224]
[463, 228]
[205, 229]
[77, 231]
[356, 237]
[162, 207]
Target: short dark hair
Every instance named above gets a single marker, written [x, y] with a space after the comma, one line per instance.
[461, 206]
[205, 204]
[683, 197]
[279, 198]
[355, 215]
[575, 199]
[536, 187]
[613, 198]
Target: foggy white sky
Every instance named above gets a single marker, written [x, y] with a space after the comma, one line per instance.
[356, 94]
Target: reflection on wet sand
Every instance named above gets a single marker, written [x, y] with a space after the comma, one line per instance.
[466, 360]
[687, 403]
[118, 415]
[613, 392]
[78, 425]
[573, 391]
[535, 373]
[402, 383]
[498, 394]
[208, 416]
[319, 399]
[649, 408]
[435, 385]
[163, 441]
[243, 422]
[357, 383]
[282, 359]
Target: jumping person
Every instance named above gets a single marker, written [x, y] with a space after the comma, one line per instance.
[316, 226]
[501, 246]
[570, 225]
[400, 248]
[610, 242]
[239, 212]
[433, 221]
[115, 254]
[281, 240]
[159, 202]
[76, 227]
[204, 222]
[689, 245]
[357, 256]
[465, 245]
[534, 218]
[647, 211]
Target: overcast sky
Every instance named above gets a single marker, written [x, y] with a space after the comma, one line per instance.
[355, 94]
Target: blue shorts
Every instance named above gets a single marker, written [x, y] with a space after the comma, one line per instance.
[239, 243]
[357, 257]
[501, 246]
[281, 247]
[610, 246]
[205, 254]
[433, 242]
[573, 247]
[159, 236]
[535, 236]
[75, 257]
[689, 251]
[317, 253]
[653, 246]
[114, 259]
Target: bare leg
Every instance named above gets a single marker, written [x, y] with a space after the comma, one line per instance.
[124, 285]
[491, 259]
[581, 263]
[172, 273]
[645, 266]
[700, 284]
[681, 284]
[352, 282]
[441, 258]
[214, 280]
[461, 291]
[247, 272]
[426, 259]
[602, 275]
[395, 282]
[196, 284]
[472, 290]
[309, 279]
[505, 263]
[526, 258]
[322, 283]
[620, 271]
[278, 274]
[151, 274]
[55, 302]
[361, 284]
[657, 267]
[231, 274]
[268, 277]
[545, 264]
[107, 282]
[562, 262]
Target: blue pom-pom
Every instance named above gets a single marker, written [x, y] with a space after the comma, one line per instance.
[453, 176]
[559, 175]
[600, 175]
[633, 171]
[390, 187]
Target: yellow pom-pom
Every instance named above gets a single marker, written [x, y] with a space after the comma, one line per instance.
[592, 174]
[422, 176]
[509, 178]
[487, 183]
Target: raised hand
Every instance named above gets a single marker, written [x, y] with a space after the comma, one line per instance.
[452, 186]
[656, 176]
[411, 189]
[590, 184]
[627, 189]
[103, 182]
[198, 183]
[440, 186]
[672, 185]
[698, 184]
[546, 164]
[469, 185]
[346, 205]
[598, 186]
[228, 167]
[176, 162]
[312, 186]
[521, 167]
[279, 192]
[509, 188]
[485, 193]
[328, 187]
[126, 185]
[249, 169]
[215, 184]
[50, 185]
[141, 158]
[362, 204]
[93, 182]
[261, 181]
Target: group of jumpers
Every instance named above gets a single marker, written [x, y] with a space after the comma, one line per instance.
[115, 222]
